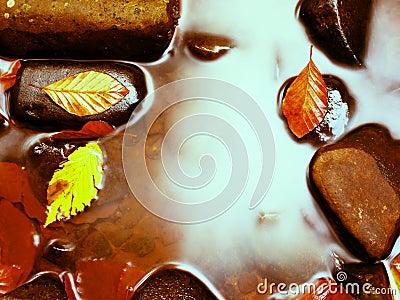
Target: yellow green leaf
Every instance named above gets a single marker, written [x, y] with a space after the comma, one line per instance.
[75, 184]
[86, 93]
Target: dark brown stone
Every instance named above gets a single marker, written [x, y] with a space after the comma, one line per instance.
[356, 182]
[365, 281]
[139, 30]
[61, 253]
[173, 284]
[206, 46]
[44, 287]
[2, 122]
[339, 28]
[140, 246]
[33, 108]
[116, 234]
[95, 246]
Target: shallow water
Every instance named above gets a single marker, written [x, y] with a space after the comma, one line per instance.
[285, 238]
[272, 47]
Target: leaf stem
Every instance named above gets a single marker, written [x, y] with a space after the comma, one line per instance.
[35, 86]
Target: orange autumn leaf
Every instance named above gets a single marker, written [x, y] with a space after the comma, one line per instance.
[8, 77]
[86, 93]
[306, 101]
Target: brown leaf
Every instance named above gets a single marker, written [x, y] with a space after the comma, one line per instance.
[92, 129]
[87, 93]
[306, 101]
[8, 78]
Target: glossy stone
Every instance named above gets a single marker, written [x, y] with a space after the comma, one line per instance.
[206, 46]
[173, 284]
[339, 28]
[31, 107]
[365, 281]
[139, 30]
[356, 183]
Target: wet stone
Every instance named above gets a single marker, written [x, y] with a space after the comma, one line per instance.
[173, 284]
[44, 287]
[31, 107]
[61, 253]
[365, 281]
[339, 28]
[341, 106]
[119, 29]
[206, 46]
[3, 122]
[247, 283]
[116, 234]
[140, 246]
[356, 182]
[95, 246]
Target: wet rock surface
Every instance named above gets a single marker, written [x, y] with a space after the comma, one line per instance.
[339, 28]
[365, 281]
[135, 30]
[45, 287]
[61, 252]
[30, 106]
[173, 284]
[206, 46]
[356, 184]
[341, 105]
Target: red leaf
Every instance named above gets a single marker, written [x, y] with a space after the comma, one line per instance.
[10, 276]
[8, 78]
[32, 205]
[90, 273]
[306, 101]
[11, 182]
[117, 280]
[17, 251]
[15, 187]
[131, 275]
[92, 129]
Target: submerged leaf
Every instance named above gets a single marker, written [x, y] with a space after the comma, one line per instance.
[86, 93]
[75, 184]
[306, 101]
[92, 129]
[15, 187]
